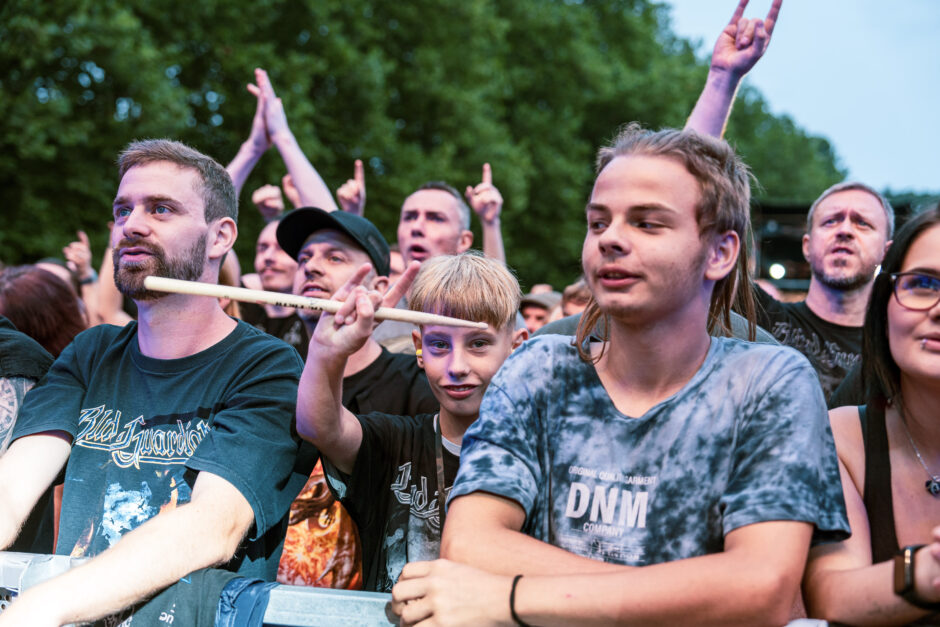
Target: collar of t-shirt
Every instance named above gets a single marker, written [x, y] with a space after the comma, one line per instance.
[452, 447]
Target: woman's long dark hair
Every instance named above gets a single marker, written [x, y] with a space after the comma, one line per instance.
[880, 373]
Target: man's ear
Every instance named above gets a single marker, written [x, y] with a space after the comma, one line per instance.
[416, 338]
[222, 235]
[722, 255]
[379, 284]
[806, 246]
[518, 337]
[465, 241]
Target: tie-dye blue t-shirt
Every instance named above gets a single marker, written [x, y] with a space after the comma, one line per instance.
[746, 440]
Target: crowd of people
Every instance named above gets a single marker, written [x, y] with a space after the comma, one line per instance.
[647, 445]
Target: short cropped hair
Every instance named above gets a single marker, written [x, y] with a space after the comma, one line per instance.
[725, 203]
[880, 373]
[463, 210]
[848, 186]
[218, 191]
[468, 286]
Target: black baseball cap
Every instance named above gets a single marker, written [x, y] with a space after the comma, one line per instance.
[298, 225]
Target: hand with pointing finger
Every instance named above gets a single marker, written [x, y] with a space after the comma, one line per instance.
[485, 199]
[352, 194]
[78, 257]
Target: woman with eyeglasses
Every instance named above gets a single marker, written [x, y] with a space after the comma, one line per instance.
[888, 571]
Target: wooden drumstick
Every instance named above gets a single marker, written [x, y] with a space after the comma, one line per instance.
[196, 288]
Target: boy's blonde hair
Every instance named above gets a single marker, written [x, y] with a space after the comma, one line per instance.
[467, 286]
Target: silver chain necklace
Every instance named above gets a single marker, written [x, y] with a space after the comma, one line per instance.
[932, 484]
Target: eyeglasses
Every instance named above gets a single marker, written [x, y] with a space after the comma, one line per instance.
[916, 291]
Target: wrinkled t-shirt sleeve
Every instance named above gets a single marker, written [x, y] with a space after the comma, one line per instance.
[251, 443]
[785, 465]
[54, 404]
[500, 451]
[359, 491]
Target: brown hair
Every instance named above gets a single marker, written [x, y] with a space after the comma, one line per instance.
[42, 306]
[218, 191]
[468, 286]
[724, 206]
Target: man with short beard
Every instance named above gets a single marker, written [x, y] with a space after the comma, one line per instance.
[848, 231]
[175, 431]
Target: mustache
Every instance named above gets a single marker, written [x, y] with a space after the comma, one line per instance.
[136, 242]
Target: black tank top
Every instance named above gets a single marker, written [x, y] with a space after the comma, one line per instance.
[877, 495]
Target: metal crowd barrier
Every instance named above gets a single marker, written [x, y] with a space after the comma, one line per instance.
[289, 606]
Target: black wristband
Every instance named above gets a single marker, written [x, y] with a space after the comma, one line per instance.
[512, 603]
[91, 278]
[904, 584]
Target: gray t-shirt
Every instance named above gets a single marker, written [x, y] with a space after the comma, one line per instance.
[746, 440]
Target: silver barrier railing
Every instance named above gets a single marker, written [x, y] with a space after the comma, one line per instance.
[289, 606]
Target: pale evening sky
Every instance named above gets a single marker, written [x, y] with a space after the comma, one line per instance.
[863, 73]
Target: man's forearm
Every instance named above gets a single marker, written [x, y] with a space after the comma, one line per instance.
[711, 112]
[27, 469]
[320, 411]
[509, 552]
[242, 165]
[493, 240]
[310, 185]
[156, 554]
[719, 589]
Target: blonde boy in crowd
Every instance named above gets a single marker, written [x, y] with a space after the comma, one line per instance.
[392, 473]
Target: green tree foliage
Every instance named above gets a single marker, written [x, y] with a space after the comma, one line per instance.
[419, 90]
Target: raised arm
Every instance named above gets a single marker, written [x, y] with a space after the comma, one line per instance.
[752, 582]
[110, 299]
[321, 417]
[253, 148]
[352, 193]
[740, 45]
[487, 203]
[78, 258]
[204, 532]
[310, 186]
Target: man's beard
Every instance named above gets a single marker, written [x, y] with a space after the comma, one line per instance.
[130, 280]
[844, 283]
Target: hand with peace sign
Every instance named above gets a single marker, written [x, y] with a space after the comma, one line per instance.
[352, 193]
[485, 199]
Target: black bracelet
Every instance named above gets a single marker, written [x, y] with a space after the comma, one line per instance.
[512, 603]
[91, 278]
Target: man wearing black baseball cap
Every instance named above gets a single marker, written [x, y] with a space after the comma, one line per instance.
[329, 247]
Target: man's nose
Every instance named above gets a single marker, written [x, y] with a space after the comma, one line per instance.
[135, 223]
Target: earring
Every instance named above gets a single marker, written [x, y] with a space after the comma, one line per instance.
[418, 352]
